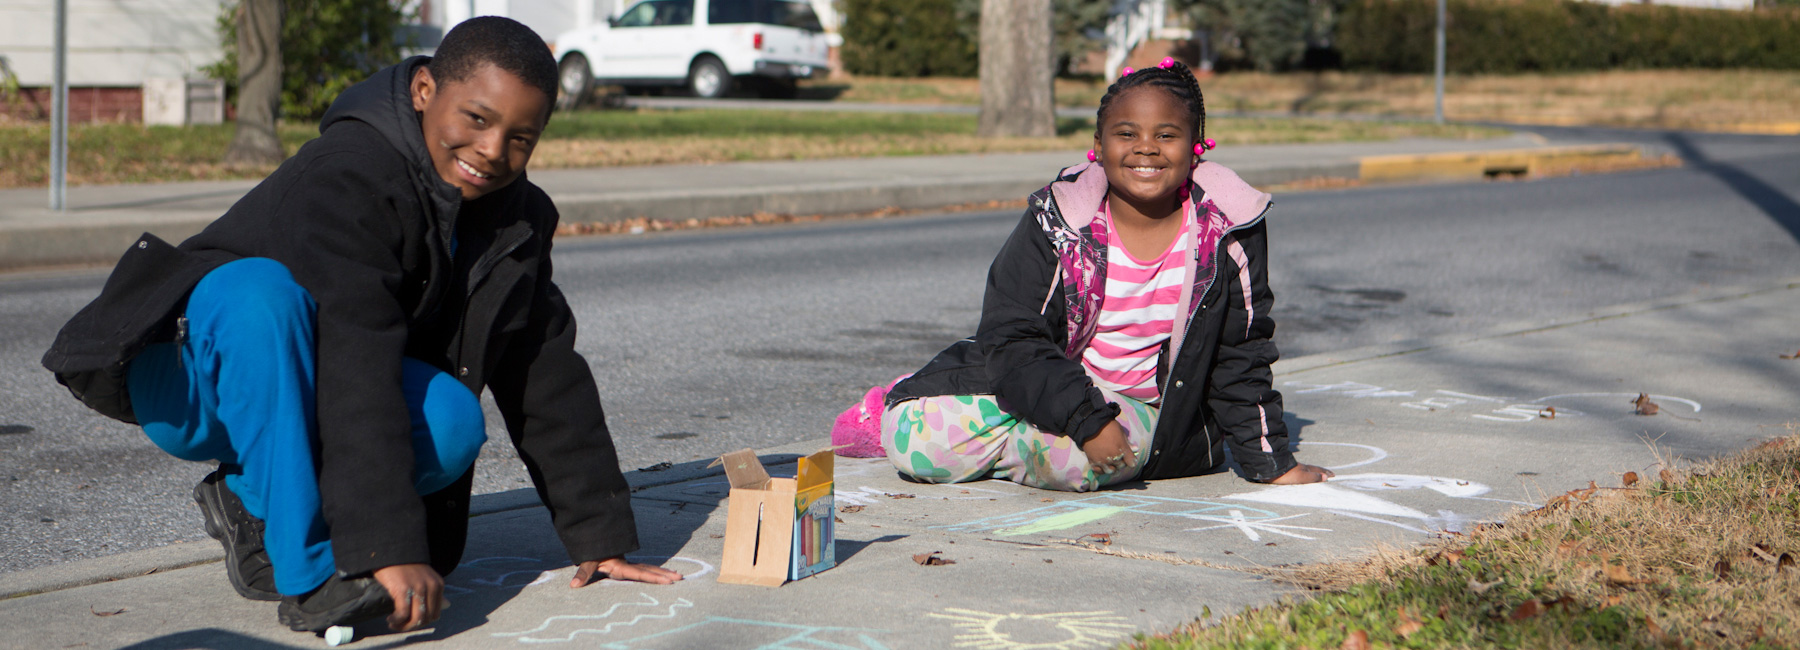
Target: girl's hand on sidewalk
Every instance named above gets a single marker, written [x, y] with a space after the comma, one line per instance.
[1109, 452]
[618, 568]
[1304, 473]
[418, 593]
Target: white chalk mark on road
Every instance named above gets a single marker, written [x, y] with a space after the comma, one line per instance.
[1249, 528]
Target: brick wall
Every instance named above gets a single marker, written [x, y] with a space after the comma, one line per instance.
[90, 104]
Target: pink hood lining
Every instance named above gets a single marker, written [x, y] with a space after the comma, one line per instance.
[1079, 200]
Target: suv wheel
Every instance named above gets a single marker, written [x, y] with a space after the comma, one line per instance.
[574, 81]
[708, 78]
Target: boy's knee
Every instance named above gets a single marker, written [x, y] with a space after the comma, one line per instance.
[452, 414]
[254, 287]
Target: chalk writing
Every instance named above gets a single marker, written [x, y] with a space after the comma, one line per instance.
[1351, 495]
[536, 634]
[1495, 408]
[758, 635]
[1251, 529]
[1075, 512]
[1059, 631]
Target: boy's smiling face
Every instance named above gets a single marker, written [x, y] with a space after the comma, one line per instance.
[480, 130]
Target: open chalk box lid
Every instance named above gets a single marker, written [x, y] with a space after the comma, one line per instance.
[777, 529]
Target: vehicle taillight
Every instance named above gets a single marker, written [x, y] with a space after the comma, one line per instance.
[757, 41]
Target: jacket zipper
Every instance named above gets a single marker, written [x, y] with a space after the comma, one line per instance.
[477, 274]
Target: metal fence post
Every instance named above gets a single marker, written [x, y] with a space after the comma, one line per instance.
[59, 112]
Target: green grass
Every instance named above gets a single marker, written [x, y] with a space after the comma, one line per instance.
[129, 153]
[1702, 558]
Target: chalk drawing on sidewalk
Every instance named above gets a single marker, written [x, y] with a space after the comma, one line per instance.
[1252, 529]
[1059, 631]
[1076, 512]
[541, 634]
[492, 573]
[1494, 408]
[759, 635]
[866, 495]
[1352, 496]
[1376, 454]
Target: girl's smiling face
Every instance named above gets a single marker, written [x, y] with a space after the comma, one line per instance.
[1146, 147]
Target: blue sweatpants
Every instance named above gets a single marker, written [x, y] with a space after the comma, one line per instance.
[240, 391]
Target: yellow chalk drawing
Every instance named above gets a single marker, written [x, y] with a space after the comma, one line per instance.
[1059, 631]
[1062, 521]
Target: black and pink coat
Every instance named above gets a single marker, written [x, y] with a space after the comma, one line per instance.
[1044, 295]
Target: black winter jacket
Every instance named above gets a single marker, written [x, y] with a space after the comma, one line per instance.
[1044, 293]
[363, 221]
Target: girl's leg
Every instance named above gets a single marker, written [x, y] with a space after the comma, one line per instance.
[946, 439]
[1052, 462]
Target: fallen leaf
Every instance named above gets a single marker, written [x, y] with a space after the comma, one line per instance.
[901, 496]
[965, 491]
[1758, 550]
[931, 559]
[1408, 625]
[115, 612]
[1453, 556]
[1561, 601]
[1782, 563]
[1630, 479]
[1655, 630]
[1644, 405]
[850, 510]
[1269, 544]
[1666, 476]
[1572, 547]
[1525, 610]
[1722, 568]
[1795, 355]
[1047, 561]
[1480, 587]
[1045, 500]
[1358, 640]
[1104, 539]
[1549, 413]
[1617, 575]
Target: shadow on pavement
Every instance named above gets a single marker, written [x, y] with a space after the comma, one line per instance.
[207, 639]
[1771, 200]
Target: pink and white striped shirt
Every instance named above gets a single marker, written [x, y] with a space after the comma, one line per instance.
[1138, 314]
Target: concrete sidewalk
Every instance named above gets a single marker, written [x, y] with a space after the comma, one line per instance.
[102, 220]
[1425, 436]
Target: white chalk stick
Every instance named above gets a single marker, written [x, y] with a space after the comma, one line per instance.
[337, 635]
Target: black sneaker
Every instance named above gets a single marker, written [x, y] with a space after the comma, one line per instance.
[246, 562]
[340, 601]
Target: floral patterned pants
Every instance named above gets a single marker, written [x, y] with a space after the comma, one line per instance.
[957, 438]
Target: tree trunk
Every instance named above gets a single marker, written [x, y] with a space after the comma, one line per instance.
[1018, 69]
[259, 85]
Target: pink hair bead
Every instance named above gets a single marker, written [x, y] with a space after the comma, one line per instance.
[1210, 144]
[1126, 71]
[1092, 157]
[1167, 61]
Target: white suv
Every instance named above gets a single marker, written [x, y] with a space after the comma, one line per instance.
[700, 44]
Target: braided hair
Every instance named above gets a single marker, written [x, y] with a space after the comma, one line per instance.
[1176, 79]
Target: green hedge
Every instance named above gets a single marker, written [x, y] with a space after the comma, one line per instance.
[1506, 36]
[906, 38]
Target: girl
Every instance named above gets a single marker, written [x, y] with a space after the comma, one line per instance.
[1125, 332]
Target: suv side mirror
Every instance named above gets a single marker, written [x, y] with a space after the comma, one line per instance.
[612, 21]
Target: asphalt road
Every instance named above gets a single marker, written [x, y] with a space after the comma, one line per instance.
[708, 341]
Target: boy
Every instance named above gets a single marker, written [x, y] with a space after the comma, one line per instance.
[326, 338]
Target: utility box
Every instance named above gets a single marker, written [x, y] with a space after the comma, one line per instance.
[174, 101]
[778, 529]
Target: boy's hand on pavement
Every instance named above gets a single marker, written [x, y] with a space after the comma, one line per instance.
[418, 593]
[618, 568]
[1304, 473]
[1109, 452]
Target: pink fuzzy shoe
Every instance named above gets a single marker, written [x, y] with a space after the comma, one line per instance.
[857, 432]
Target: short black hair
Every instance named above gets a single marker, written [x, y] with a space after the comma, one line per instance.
[1176, 79]
[502, 42]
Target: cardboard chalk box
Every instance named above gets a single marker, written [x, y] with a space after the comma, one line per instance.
[777, 529]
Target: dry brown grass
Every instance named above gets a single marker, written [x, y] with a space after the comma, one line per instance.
[1695, 99]
[1699, 556]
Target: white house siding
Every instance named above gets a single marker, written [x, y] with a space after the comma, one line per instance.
[114, 43]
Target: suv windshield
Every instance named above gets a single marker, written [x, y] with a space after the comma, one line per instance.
[654, 13]
[788, 13]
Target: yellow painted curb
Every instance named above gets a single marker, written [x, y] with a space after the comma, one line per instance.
[1477, 165]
